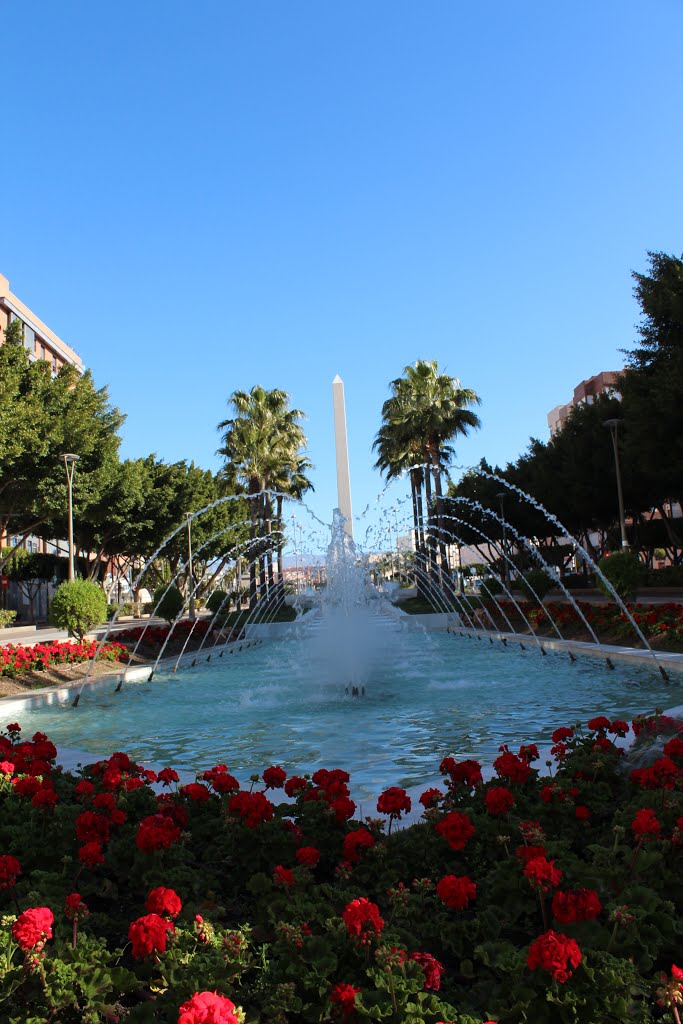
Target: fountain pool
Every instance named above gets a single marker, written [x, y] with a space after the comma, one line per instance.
[427, 695]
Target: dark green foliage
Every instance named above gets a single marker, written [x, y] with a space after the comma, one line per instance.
[77, 606]
[536, 584]
[625, 572]
[167, 603]
[217, 599]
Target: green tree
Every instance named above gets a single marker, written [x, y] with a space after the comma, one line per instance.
[261, 443]
[77, 606]
[427, 410]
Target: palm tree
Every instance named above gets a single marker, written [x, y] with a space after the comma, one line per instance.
[260, 441]
[427, 410]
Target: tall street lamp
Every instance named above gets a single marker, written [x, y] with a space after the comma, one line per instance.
[70, 461]
[188, 516]
[613, 426]
[506, 564]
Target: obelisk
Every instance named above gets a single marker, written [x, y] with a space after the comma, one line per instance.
[341, 448]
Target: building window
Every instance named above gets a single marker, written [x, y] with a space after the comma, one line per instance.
[29, 338]
[42, 351]
[54, 364]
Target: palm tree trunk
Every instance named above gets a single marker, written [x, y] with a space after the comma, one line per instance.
[431, 539]
[280, 542]
[269, 554]
[434, 457]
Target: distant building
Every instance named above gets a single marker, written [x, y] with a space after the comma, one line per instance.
[601, 383]
[39, 340]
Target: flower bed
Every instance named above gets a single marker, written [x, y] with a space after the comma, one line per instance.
[526, 898]
[16, 660]
[662, 623]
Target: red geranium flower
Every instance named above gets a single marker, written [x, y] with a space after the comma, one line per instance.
[576, 905]
[283, 876]
[308, 855]
[394, 801]
[33, 927]
[356, 841]
[345, 998]
[156, 832]
[74, 906]
[599, 724]
[542, 873]
[274, 777]
[295, 784]
[430, 797]
[196, 792]
[10, 869]
[164, 902]
[499, 800]
[554, 953]
[456, 891]
[208, 1008]
[646, 823]
[91, 855]
[253, 808]
[431, 968]
[362, 918]
[149, 935]
[456, 829]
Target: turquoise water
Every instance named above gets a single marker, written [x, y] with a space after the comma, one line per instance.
[284, 703]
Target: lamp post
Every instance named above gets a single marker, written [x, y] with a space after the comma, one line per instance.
[613, 426]
[70, 461]
[188, 516]
[506, 564]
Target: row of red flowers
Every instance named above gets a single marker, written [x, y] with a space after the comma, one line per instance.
[17, 659]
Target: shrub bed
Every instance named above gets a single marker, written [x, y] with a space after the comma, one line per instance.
[525, 898]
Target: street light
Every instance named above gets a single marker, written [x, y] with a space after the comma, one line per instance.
[506, 565]
[613, 426]
[70, 461]
[188, 516]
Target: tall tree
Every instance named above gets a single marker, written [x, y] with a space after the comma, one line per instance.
[427, 410]
[261, 442]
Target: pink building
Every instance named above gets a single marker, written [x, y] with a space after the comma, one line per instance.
[604, 382]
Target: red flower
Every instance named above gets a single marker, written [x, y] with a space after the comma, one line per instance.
[618, 727]
[646, 823]
[167, 775]
[274, 777]
[343, 808]
[208, 1008]
[74, 906]
[562, 734]
[91, 855]
[511, 767]
[308, 855]
[92, 828]
[527, 853]
[84, 789]
[294, 784]
[33, 927]
[195, 791]
[599, 724]
[499, 800]
[456, 829]
[542, 873]
[356, 841]
[431, 968]
[674, 747]
[394, 801]
[283, 876]
[156, 832]
[576, 905]
[456, 891]
[581, 813]
[149, 935]
[253, 808]
[345, 997]
[164, 902]
[430, 798]
[362, 918]
[554, 953]
[10, 869]
[466, 773]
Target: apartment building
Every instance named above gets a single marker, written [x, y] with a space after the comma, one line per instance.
[605, 381]
[39, 340]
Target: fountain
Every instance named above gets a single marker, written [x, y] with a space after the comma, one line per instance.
[450, 682]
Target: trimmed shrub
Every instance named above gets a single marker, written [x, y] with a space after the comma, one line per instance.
[624, 571]
[77, 606]
[217, 599]
[167, 603]
[539, 581]
[490, 586]
[7, 617]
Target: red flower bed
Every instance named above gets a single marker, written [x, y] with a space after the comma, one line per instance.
[15, 660]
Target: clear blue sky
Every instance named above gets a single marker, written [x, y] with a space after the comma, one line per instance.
[203, 197]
